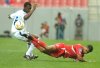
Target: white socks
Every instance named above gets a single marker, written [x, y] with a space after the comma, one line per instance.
[30, 49]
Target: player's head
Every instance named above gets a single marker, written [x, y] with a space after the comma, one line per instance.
[89, 48]
[27, 7]
[59, 13]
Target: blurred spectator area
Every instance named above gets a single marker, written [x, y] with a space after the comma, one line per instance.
[47, 3]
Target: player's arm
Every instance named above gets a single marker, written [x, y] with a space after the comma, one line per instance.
[79, 53]
[11, 16]
[31, 11]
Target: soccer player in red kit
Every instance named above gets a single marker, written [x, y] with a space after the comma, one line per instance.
[76, 51]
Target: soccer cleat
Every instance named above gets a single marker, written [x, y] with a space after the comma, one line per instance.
[35, 57]
[30, 57]
[30, 37]
[27, 57]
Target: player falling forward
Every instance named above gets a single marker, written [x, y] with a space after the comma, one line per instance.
[76, 51]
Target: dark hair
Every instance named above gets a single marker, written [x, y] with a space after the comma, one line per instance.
[59, 13]
[27, 3]
[90, 47]
[78, 14]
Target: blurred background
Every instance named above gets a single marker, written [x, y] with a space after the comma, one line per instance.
[87, 27]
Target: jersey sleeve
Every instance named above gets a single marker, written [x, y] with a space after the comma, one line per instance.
[19, 14]
[13, 15]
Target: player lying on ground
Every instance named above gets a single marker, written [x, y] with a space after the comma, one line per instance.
[76, 51]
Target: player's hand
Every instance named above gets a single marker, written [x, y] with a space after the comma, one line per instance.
[34, 5]
[9, 16]
[76, 60]
[82, 60]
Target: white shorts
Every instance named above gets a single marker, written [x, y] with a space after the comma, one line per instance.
[19, 36]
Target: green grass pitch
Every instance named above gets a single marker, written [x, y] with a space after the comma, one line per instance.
[12, 51]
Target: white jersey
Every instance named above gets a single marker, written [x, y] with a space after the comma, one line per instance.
[19, 15]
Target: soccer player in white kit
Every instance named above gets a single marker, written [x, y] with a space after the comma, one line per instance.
[23, 15]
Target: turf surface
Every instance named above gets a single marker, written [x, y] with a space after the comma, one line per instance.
[12, 51]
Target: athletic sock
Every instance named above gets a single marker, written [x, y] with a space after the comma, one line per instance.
[39, 43]
[30, 49]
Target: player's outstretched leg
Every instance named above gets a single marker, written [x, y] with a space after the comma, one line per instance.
[37, 41]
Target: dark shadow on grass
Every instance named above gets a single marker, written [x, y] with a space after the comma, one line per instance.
[47, 60]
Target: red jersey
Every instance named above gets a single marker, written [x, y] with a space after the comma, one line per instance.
[60, 50]
[67, 51]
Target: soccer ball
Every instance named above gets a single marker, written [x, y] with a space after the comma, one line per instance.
[19, 25]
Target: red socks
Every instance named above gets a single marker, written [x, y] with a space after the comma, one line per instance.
[38, 43]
